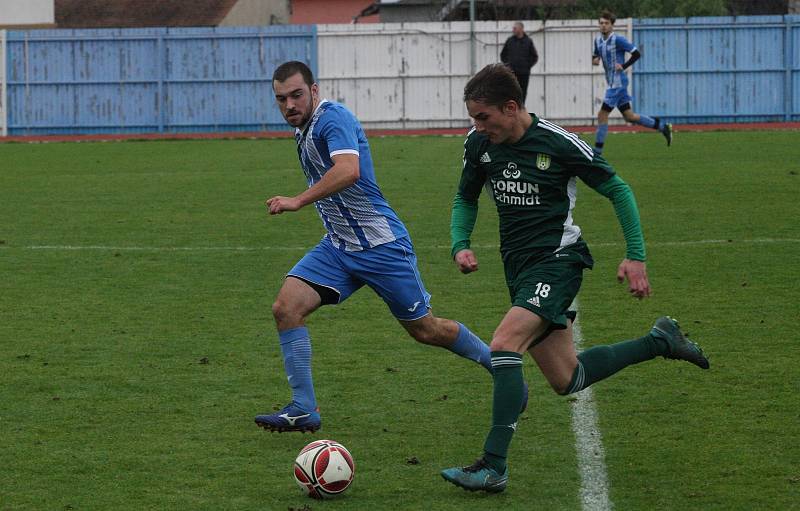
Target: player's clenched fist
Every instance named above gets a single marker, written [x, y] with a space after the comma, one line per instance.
[466, 261]
[277, 205]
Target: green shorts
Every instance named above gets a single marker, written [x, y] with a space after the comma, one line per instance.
[546, 285]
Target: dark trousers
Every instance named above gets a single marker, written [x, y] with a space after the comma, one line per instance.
[523, 83]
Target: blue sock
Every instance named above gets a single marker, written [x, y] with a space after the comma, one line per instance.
[600, 138]
[647, 121]
[469, 345]
[296, 349]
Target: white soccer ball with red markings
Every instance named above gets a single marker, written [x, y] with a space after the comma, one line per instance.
[324, 469]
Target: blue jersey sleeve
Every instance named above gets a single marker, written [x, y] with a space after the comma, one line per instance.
[624, 44]
[340, 131]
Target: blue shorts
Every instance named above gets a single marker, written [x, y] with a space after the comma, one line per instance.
[617, 96]
[389, 269]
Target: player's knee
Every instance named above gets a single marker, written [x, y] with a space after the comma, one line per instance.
[630, 115]
[560, 382]
[278, 309]
[502, 344]
[560, 387]
[284, 314]
[432, 330]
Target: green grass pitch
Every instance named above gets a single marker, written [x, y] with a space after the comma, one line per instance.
[137, 343]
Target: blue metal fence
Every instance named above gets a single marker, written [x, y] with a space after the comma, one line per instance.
[696, 70]
[149, 80]
[720, 69]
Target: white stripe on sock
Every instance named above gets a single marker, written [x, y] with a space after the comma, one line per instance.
[579, 379]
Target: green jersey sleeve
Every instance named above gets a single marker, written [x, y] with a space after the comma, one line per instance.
[473, 176]
[621, 196]
[590, 168]
[598, 174]
[462, 221]
[465, 204]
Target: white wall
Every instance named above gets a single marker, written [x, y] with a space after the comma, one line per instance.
[412, 75]
[27, 12]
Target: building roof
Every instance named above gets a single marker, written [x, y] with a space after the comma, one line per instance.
[331, 11]
[140, 13]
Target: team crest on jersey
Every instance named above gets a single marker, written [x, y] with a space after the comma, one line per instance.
[542, 161]
[511, 171]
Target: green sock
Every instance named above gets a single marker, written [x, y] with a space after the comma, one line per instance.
[508, 396]
[600, 362]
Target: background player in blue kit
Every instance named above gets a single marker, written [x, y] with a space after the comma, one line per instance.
[365, 243]
[610, 49]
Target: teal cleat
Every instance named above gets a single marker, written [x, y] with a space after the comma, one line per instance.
[680, 347]
[667, 132]
[478, 476]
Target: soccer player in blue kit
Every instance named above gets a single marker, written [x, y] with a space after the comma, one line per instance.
[365, 243]
[610, 49]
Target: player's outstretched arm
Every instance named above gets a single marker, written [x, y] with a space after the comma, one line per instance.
[345, 172]
[632, 268]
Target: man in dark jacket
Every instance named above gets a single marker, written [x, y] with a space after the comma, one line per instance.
[520, 55]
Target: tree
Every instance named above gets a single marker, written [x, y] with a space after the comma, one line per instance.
[750, 7]
[572, 9]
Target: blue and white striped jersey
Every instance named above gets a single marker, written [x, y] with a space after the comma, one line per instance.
[358, 217]
[612, 51]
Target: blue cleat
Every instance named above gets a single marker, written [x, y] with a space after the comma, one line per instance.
[478, 476]
[291, 418]
[680, 347]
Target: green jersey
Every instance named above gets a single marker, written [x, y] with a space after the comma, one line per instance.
[533, 183]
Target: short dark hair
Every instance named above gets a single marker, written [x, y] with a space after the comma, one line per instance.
[291, 68]
[608, 15]
[493, 85]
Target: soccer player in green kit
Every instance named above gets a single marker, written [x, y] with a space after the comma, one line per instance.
[530, 166]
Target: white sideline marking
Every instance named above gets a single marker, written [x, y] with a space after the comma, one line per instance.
[589, 444]
[267, 248]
